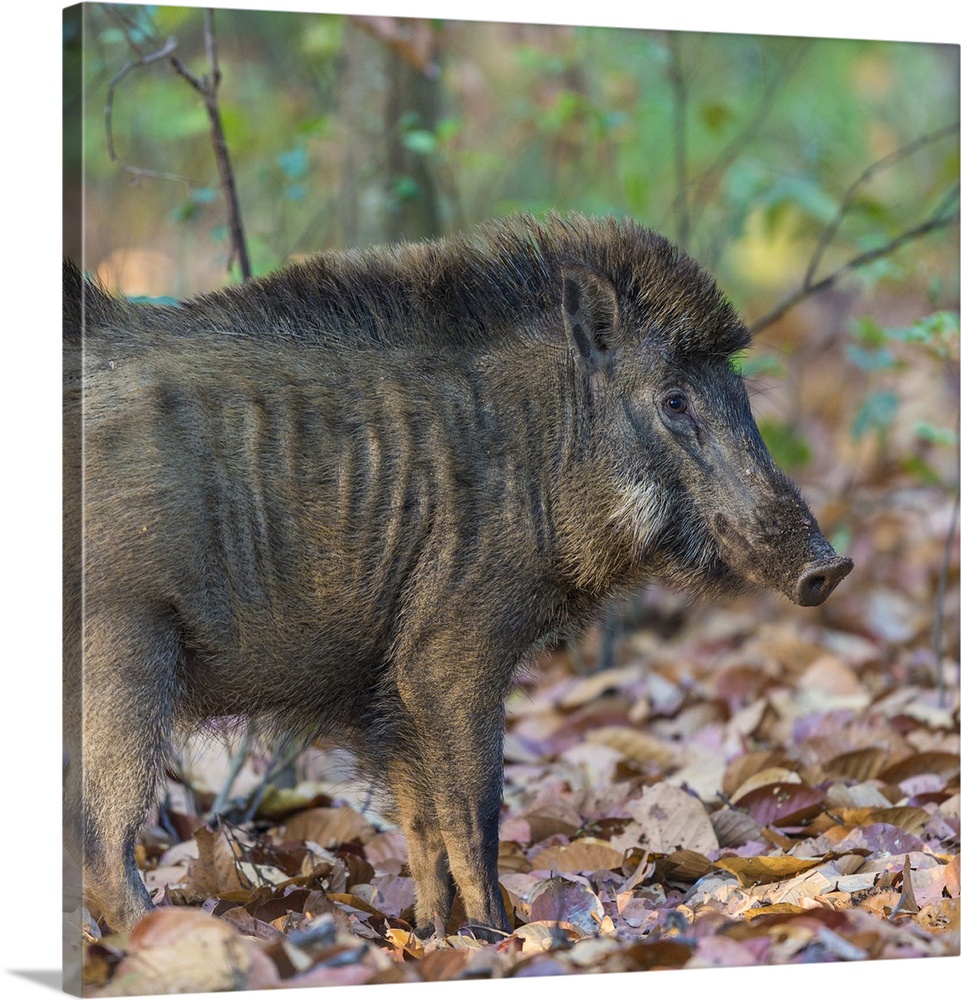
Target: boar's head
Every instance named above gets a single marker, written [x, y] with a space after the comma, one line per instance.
[694, 487]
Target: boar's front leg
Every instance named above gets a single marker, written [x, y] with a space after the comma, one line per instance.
[449, 792]
[129, 679]
[426, 851]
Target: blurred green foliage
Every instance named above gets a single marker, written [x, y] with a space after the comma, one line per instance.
[767, 157]
[531, 118]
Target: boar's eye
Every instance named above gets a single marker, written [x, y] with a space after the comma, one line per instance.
[675, 403]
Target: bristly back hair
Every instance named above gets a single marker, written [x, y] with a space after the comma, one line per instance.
[499, 282]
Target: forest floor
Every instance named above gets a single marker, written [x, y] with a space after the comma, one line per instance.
[749, 784]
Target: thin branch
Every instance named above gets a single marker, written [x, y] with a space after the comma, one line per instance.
[875, 168]
[935, 222]
[162, 53]
[207, 88]
[679, 87]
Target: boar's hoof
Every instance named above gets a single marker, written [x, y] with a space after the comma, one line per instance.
[816, 583]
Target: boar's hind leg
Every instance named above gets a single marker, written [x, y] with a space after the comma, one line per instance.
[130, 672]
[458, 725]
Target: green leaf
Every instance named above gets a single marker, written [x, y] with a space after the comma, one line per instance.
[755, 365]
[790, 449]
[936, 435]
[419, 140]
[876, 414]
[920, 470]
[878, 360]
[294, 163]
[869, 331]
[716, 115]
[406, 189]
[204, 195]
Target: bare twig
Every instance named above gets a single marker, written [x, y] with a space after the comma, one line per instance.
[875, 168]
[679, 87]
[935, 222]
[144, 60]
[237, 760]
[207, 88]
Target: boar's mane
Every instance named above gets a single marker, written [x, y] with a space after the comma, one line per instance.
[499, 282]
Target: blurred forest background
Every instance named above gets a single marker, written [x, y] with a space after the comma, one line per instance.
[817, 178]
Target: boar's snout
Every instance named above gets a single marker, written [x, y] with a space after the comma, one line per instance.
[815, 584]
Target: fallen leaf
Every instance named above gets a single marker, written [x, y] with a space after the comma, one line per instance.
[672, 820]
[782, 803]
[858, 765]
[329, 827]
[932, 762]
[761, 779]
[561, 899]
[546, 935]
[755, 871]
[635, 745]
[584, 854]
[182, 950]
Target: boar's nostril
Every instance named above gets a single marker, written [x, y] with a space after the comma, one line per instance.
[816, 583]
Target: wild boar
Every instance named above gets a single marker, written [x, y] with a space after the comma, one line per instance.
[348, 499]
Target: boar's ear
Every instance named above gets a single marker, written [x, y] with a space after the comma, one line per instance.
[589, 304]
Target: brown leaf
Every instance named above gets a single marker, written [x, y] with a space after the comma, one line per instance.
[587, 854]
[908, 903]
[511, 858]
[760, 870]
[387, 852]
[354, 901]
[586, 690]
[181, 950]
[663, 954]
[781, 803]
[862, 795]
[635, 745]
[911, 819]
[775, 909]
[767, 776]
[545, 824]
[328, 827]
[830, 673]
[858, 765]
[931, 762]
[951, 878]
[444, 965]
[546, 935]
[733, 826]
[216, 870]
[561, 899]
[682, 866]
[941, 917]
[749, 764]
[672, 820]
